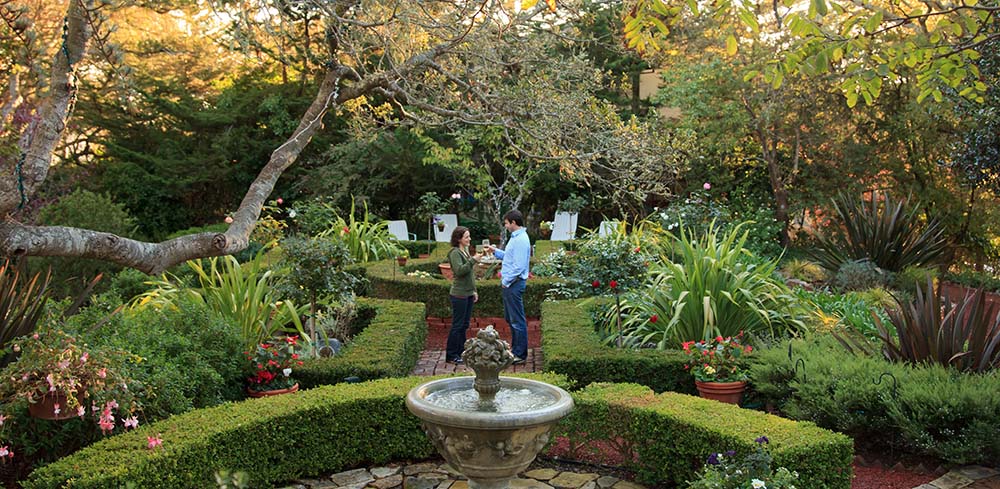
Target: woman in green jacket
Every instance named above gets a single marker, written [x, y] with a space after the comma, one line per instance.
[463, 292]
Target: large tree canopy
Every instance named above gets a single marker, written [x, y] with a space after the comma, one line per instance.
[439, 62]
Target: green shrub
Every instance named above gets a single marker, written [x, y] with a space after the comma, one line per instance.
[129, 283]
[345, 426]
[600, 259]
[887, 232]
[191, 356]
[912, 278]
[929, 410]
[574, 349]
[803, 270]
[389, 346]
[671, 435]
[22, 304]
[860, 275]
[82, 209]
[853, 310]
[712, 287]
[974, 279]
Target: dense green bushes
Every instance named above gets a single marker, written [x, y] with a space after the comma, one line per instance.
[388, 347]
[929, 410]
[344, 426]
[673, 434]
[574, 349]
[191, 357]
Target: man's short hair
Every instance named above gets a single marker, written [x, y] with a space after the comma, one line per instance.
[515, 217]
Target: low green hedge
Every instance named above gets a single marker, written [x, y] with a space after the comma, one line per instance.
[388, 347]
[333, 428]
[388, 281]
[667, 437]
[572, 348]
[929, 410]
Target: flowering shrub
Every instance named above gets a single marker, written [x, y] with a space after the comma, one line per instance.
[725, 471]
[272, 364]
[718, 360]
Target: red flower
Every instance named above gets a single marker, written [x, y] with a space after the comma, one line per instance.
[295, 356]
[749, 349]
[719, 339]
[613, 284]
[265, 346]
[636, 249]
[596, 283]
[654, 318]
[347, 230]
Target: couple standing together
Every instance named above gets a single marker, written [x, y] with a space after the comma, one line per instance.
[513, 277]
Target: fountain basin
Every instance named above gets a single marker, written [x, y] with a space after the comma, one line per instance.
[489, 447]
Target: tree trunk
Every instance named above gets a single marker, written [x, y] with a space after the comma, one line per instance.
[39, 140]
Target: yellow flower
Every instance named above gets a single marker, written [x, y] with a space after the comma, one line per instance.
[709, 370]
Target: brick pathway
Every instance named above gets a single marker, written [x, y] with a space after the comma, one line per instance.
[432, 359]
[970, 477]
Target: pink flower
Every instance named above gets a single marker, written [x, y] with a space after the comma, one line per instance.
[34, 336]
[63, 365]
[107, 424]
[102, 373]
[229, 220]
[5, 451]
[347, 230]
[2, 419]
[84, 357]
[153, 442]
[80, 411]
[55, 408]
[707, 186]
[132, 422]
[112, 404]
[280, 201]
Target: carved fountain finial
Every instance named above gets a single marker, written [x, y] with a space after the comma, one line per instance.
[487, 355]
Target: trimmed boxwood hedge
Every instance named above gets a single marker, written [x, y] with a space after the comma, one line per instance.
[388, 281]
[671, 435]
[333, 428]
[572, 348]
[389, 347]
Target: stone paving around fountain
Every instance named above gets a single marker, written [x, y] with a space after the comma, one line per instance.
[440, 475]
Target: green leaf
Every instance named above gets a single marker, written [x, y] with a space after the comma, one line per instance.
[778, 78]
[923, 94]
[750, 75]
[820, 6]
[871, 25]
[731, 45]
[660, 26]
[938, 97]
[852, 99]
[693, 5]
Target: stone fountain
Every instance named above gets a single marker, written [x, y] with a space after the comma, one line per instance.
[489, 428]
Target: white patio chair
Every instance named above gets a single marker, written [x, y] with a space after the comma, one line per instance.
[564, 226]
[400, 231]
[450, 223]
[607, 228]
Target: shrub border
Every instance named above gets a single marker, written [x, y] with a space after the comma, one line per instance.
[389, 347]
[342, 426]
[572, 348]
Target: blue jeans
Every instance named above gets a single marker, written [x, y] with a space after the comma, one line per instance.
[513, 312]
[461, 314]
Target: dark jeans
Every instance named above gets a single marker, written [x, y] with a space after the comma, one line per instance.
[461, 313]
[513, 312]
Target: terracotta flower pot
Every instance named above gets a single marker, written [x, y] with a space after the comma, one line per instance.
[46, 407]
[545, 233]
[401, 261]
[446, 270]
[277, 392]
[424, 255]
[728, 392]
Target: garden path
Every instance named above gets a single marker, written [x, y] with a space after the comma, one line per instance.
[432, 359]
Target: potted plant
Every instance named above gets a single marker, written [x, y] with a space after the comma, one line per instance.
[719, 367]
[430, 204]
[440, 224]
[272, 363]
[545, 228]
[57, 375]
[446, 272]
[401, 257]
[572, 204]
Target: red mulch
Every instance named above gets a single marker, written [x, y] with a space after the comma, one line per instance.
[874, 477]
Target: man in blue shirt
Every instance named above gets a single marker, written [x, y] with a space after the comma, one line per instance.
[513, 277]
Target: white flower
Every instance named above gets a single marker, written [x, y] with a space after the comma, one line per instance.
[287, 372]
[292, 213]
[758, 484]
